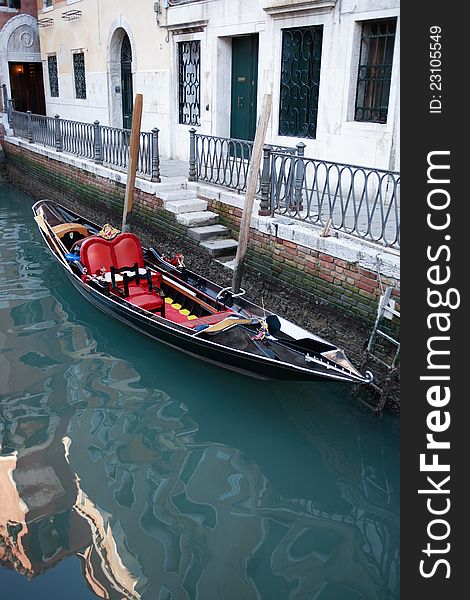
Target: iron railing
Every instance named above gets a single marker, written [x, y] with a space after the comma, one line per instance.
[100, 143]
[361, 201]
[43, 130]
[77, 138]
[223, 161]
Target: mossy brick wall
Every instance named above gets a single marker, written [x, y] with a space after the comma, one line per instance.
[55, 180]
[327, 279]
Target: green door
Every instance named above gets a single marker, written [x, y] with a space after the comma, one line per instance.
[244, 87]
[126, 83]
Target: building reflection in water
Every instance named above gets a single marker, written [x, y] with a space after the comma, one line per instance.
[95, 465]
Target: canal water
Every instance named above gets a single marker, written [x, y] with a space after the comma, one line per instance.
[129, 470]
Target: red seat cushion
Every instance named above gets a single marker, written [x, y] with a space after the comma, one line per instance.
[134, 289]
[127, 250]
[96, 253]
[147, 300]
[124, 250]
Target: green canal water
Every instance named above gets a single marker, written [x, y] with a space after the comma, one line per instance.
[129, 470]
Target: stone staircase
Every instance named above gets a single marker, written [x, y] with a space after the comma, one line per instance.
[202, 224]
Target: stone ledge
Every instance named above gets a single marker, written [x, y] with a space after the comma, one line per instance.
[347, 248]
[340, 245]
[149, 187]
[280, 9]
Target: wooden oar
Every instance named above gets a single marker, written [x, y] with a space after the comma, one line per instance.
[228, 322]
[133, 160]
[54, 241]
[251, 184]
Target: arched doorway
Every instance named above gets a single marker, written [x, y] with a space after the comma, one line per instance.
[20, 64]
[126, 82]
[121, 70]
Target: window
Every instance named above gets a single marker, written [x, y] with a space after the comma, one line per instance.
[11, 3]
[300, 81]
[375, 70]
[53, 76]
[47, 3]
[189, 82]
[79, 75]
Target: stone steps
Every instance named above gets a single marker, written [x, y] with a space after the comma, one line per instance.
[220, 247]
[226, 261]
[199, 218]
[202, 224]
[208, 232]
[187, 205]
[170, 195]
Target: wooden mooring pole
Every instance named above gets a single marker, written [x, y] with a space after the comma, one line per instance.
[252, 182]
[133, 160]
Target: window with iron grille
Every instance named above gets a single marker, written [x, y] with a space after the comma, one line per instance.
[375, 70]
[189, 64]
[53, 76]
[300, 81]
[79, 75]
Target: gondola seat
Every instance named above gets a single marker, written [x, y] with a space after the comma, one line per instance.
[124, 249]
[147, 300]
[139, 291]
[123, 256]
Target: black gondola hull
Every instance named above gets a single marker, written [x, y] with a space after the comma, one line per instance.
[258, 362]
[216, 354]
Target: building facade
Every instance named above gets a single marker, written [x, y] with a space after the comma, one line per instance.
[98, 55]
[332, 68]
[20, 57]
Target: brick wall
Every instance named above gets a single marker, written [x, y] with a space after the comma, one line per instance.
[78, 188]
[330, 280]
[347, 286]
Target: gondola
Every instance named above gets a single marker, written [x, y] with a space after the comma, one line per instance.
[164, 300]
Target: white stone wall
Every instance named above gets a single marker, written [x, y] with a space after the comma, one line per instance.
[154, 41]
[339, 138]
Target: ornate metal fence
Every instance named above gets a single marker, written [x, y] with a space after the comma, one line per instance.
[77, 138]
[223, 161]
[19, 122]
[357, 200]
[115, 149]
[102, 144]
[43, 130]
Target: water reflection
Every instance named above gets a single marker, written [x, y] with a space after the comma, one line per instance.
[172, 479]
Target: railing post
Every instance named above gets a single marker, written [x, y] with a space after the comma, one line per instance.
[5, 97]
[98, 144]
[155, 156]
[57, 134]
[10, 112]
[299, 176]
[192, 155]
[265, 209]
[30, 127]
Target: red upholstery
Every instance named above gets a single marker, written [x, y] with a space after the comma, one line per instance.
[127, 250]
[147, 300]
[209, 320]
[123, 250]
[173, 314]
[157, 280]
[96, 254]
